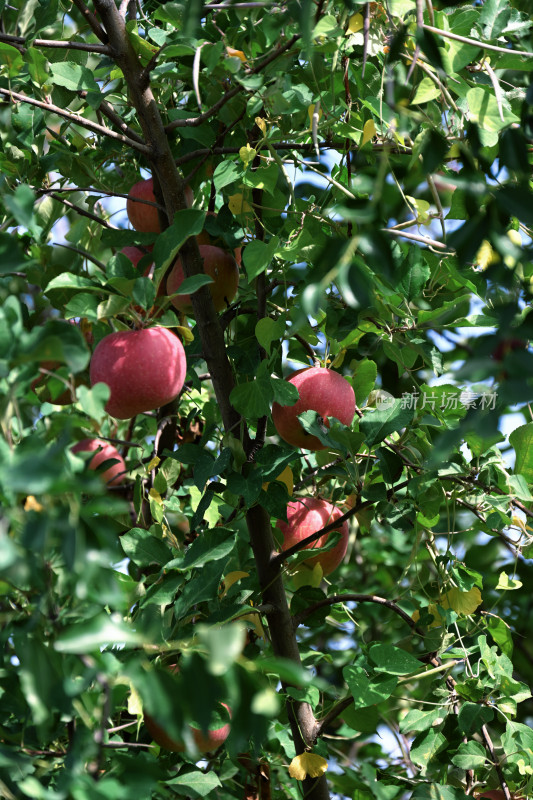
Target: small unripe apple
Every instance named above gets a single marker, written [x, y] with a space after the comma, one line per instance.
[114, 474]
[144, 217]
[220, 266]
[306, 516]
[321, 390]
[204, 742]
[145, 369]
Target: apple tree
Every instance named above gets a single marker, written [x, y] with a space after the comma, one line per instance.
[262, 188]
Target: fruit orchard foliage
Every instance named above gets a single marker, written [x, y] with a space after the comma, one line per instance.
[372, 199]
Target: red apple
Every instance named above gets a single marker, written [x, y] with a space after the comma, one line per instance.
[491, 794]
[204, 742]
[307, 516]
[135, 254]
[321, 390]
[142, 216]
[114, 474]
[144, 369]
[221, 266]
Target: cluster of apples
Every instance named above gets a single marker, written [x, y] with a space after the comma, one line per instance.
[217, 263]
[330, 395]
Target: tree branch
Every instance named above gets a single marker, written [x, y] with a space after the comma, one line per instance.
[355, 598]
[194, 122]
[82, 212]
[93, 23]
[9, 38]
[76, 119]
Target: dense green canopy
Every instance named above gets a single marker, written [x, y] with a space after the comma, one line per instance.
[368, 166]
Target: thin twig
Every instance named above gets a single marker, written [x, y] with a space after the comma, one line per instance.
[475, 42]
[103, 49]
[83, 212]
[76, 119]
[194, 122]
[418, 238]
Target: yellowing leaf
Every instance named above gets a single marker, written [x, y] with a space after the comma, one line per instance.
[237, 204]
[421, 208]
[261, 124]
[153, 464]
[255, 621]
[355, 23]
[485, 255]
[232, 53]
[431, 609]
[307, 764]
[515, 237]
[155, 496]
[247, 154]
[285, 477]
[462, 602]
[306, 576]
[135, 706]
[506, 583]
[369, 131]
[32, 504]
[231, 578]
[186, 334]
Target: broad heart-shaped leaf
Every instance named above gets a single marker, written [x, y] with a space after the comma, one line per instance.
[377, 425]
[193, 781]
[253, 399]
[258, 255]
[144, 548]
[393, 660]
[483, 108]
[521, 440]
[268, 330]
[93, 634]
[368, 691]
[210, 546]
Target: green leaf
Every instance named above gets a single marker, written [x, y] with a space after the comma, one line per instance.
[377, 425]
[226, 173]
[483, 108]
[268, 330]
[393, 660]
[202, 586]
[470, 755]
[92, 635]
[144, 548]
[426, 90]
[426, 746]
[364, 379]
[74, 77]
[437, 791]
[417, 720]
[192, 284]
[505, 583]
[210, 546]
[69, 281]
[21, 204]
[196, 783]
[521, 439]
[472, 716]
[253, 399]
[258, 255]
[12, 58]
[493, 19]
[368, 691]
[92, 401]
